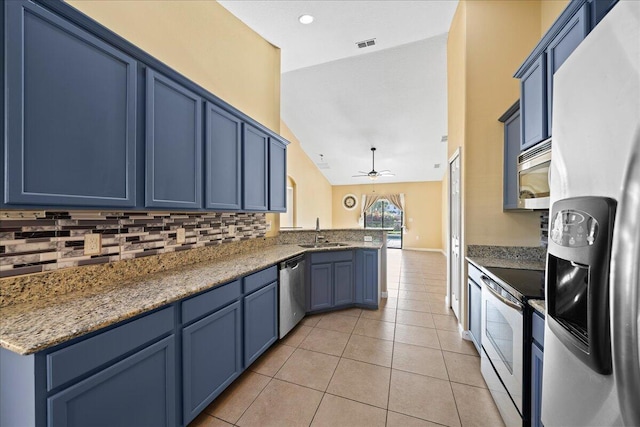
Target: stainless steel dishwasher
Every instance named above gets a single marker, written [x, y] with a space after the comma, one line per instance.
[292, 294]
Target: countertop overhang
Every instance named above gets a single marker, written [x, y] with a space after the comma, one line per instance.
[34, 326]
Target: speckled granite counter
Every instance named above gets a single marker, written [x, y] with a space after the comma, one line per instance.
[36, 325]
[526, 264]
[539, 305]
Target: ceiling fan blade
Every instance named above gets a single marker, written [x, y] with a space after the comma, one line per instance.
[384, 171]
[387, 174]
[358, 176]
[363, 172]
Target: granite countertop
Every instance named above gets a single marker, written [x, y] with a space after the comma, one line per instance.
[508, 263]
[34, 326]
[539, 305]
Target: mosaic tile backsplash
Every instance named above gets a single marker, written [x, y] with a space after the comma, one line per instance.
[56, 240]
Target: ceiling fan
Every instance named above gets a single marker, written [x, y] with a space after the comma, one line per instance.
[374, 174]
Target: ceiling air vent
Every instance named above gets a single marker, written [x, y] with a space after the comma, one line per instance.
[445, 138]
[436, 166]
[366, 43]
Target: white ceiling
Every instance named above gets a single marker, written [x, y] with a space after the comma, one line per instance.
[339, 100]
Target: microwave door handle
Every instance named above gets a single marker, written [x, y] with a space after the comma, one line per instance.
[625, 303]
[509, 303]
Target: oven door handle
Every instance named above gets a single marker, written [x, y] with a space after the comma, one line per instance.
[508, 303]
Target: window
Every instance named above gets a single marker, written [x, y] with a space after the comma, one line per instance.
[384, 214]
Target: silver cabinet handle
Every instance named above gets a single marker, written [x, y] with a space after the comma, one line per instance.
[625, 279]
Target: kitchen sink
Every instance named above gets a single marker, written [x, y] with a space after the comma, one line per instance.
[324, 245]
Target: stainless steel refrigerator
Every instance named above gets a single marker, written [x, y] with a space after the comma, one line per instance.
[592, 377]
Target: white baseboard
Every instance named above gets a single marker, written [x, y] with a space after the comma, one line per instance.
[423, 250]
[466, 335]
[384, 294]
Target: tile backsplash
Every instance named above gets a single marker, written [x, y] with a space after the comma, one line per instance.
[56, 240]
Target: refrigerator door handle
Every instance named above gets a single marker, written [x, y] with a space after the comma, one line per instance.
[625, 292]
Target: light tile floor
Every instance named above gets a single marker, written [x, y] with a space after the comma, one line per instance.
[402, 365]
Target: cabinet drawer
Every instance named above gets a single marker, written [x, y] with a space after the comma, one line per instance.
[475, 274]
[322, 257]
[70, 362]
[137, 391]
[257, 280]
[209, 301]
[537, 329]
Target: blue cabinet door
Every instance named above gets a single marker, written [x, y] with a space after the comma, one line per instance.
[366, 291]
[370, 279]
[211, 358]
[137, 391]
[277, 176]
[343, 289]
[173, 145]
[511, 152]
[561, 47]
[536, 385]
[70, 114]
[260, 322]
[223, 165]
[321, 287]
[255, 152]
[533, 104]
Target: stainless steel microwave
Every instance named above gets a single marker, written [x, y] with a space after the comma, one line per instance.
[534, 167]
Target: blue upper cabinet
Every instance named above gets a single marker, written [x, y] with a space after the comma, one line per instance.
[173, 145]
[277, 176]
[533, 104]
[536, 73]
[70, 98]
[511, 120]
[561, 47]
[223, 160]
[255, 152]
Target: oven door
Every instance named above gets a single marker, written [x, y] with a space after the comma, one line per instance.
[502, 337]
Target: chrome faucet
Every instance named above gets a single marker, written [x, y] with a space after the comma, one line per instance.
[318, 236]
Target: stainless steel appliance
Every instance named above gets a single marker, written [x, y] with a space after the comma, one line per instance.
[533, 176]
[292, 294]
[504, 356]
[589, 378]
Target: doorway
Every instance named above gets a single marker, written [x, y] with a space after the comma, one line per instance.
[384, 214]
[453, 260]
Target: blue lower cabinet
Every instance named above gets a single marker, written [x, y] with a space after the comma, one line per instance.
[321, 287]
[536, 385]
[537, 349]
[367, 278]
[137, 391]
[260, 322]
[343, 283]
[211, 358]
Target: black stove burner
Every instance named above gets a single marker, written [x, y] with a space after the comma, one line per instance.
[529, 283]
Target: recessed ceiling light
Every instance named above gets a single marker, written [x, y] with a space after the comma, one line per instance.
[305, 19]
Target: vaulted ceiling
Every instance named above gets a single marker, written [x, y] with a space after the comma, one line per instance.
[340, 100]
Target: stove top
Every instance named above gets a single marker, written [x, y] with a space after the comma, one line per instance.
[528, 283]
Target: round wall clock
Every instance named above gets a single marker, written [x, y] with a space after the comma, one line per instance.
[349, 202]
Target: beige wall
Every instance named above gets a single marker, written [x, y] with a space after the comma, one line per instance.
[488, 41]
[423, 215]
[549, 12]
[207, 44]
[204, 42]
[312, 191]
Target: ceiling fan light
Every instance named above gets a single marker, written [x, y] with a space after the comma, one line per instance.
[373, 177]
